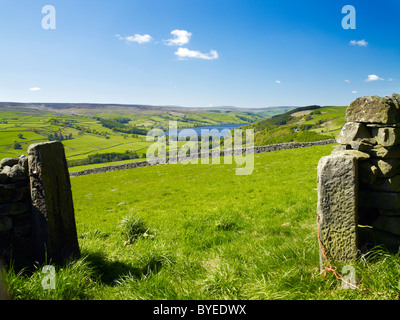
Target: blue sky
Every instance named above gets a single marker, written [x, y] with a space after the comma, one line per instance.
[198, 53]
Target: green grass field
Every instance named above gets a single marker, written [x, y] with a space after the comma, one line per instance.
[201, 232]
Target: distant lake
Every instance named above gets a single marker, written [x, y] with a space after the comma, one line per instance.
[222, 129]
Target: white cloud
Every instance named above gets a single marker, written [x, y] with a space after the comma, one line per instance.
[354, 91]
[136, 38]
[373, 77]
[390, 79]
[347, 81]
[35, 89]
[278, 81]
[361, 43]
[181, 37]
[183, 53]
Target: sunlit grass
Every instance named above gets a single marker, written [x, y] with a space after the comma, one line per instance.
[214, 235]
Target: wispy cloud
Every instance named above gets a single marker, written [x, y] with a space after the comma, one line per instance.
[360, 43]
[184, 53]
[180, 38]
[373, 77]
[354, 91]
[136, 38]
[278, 81]
[347, 81]
[35, 89]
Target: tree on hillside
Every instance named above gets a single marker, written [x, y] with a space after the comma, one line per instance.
[17, 145]
[58, 136]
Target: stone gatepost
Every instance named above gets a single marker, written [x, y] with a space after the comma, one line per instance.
[54, 235]
[359, 183]
[338, 207]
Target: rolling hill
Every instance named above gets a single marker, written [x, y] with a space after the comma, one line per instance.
[303, 124]
[109, 133]
[147, 116]
[90, 129]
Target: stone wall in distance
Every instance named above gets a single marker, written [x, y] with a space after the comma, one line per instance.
[256, 149]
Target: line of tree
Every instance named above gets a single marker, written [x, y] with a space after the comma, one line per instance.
[122, 120]
[120, 127]
[62, 122]
[105, 157]
[288, 135]
[58, 136]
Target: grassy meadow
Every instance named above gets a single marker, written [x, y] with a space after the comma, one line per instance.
[202, 232]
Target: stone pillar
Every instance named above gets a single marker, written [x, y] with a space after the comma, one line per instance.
[338, 207]
[54, 235]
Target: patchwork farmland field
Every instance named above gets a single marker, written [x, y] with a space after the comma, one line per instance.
[83, 133]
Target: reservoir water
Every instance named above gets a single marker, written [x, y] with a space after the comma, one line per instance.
[223, 129]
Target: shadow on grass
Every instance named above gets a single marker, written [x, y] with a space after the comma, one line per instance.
[110, 271]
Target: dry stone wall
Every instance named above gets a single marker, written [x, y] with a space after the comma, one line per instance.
[256, 149]
[15, 207]
[359, 183]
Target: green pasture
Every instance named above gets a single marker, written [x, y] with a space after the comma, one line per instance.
[201, 232]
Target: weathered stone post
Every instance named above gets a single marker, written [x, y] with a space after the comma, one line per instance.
[54, 235]
[337, 207]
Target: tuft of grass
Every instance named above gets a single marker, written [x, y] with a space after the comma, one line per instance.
[133, 227]
[153, 260]
[227, 221]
